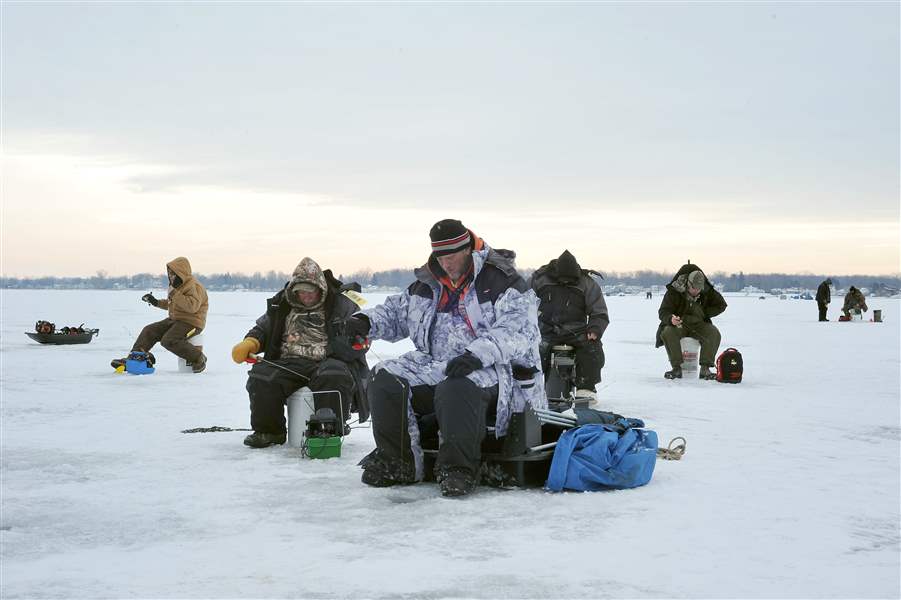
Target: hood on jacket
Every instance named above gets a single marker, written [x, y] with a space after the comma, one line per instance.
[679, 282]
[566, 268]
[181, 268]
[306, 273]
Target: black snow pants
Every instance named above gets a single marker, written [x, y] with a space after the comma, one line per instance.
[269, 388]
[456, 407]
[589, 356]
[822, 308]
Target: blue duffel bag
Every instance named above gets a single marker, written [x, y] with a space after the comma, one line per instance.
[602, 457]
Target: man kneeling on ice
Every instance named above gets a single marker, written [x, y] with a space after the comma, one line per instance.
[854, 301]
[303, 336]
[474, 324]
[687, 308]
[187, 305]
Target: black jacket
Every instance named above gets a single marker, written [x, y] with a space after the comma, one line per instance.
[823, 293]
[571, 302]
[674, 302]
[270, 327]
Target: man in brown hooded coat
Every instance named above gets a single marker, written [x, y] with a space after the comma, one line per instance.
[187, 304]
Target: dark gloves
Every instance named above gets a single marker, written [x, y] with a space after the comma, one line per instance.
[463, 365]
[357, 326]
[354, 344]
[149, 299]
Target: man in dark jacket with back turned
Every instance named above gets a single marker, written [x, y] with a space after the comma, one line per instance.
[303, 331]
[572, 311]
[824, 297]
[688, 306]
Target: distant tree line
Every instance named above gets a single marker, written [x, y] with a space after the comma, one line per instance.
[732, 282]
[401, 278]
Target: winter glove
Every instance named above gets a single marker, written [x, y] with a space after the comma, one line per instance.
[149, 299]
[242, 350]
[357, 326]
[462, 365]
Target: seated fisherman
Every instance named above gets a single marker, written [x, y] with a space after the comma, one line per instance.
[303, 332]
[686, 310]
[572, 311]
[473, 322]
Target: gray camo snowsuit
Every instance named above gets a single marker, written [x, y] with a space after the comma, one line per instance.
[499, 326]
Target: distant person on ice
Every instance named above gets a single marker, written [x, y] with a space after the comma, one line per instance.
[572, 311]
[854, 301]
[474, 324]
[303, 330]
[687, 308]
[824, 297]
[187, 305]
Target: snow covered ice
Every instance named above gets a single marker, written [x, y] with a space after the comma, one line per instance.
[789, 486]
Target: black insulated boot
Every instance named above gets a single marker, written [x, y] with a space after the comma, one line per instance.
[706, 373]
[200, 364]
[264, 440]
[383, 471]
[675, 373]
[456, 482]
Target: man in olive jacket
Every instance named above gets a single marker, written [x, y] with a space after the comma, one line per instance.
[187, 304]
[687, 308]
[824, 297]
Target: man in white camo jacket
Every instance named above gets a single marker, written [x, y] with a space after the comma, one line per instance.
[474, 323]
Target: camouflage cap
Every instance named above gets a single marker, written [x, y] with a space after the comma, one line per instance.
[696, 280]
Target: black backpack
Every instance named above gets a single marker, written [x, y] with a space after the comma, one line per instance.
[729, 366]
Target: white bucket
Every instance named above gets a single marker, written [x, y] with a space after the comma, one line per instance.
[183, 366]
[690, 350]
[856, 315]
[301, 407]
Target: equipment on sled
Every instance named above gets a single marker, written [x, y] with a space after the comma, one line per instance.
[523, 457]
[45, 332]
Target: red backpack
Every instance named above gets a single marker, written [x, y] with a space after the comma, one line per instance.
[729, 366]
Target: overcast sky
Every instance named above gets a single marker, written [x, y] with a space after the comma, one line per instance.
[746, 136]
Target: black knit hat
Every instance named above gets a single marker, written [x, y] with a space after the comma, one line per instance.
[449, 236]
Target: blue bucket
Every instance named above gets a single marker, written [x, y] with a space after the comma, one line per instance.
[138, 363]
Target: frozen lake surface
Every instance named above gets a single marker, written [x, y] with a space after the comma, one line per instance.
[789, 487]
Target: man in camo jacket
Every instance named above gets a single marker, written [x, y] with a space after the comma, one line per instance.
[474, 324]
